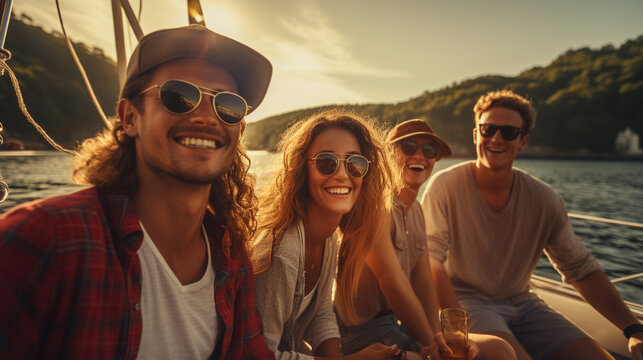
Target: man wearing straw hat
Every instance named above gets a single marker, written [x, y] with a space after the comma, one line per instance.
[150, 260]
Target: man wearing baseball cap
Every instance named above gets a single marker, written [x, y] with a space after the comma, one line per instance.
[397, 282]
[150, 261]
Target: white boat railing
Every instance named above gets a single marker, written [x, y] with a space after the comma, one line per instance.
[615, 222]
[564, 298]
[604, 220]
[627, 278]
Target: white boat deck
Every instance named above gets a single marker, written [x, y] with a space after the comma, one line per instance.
[564, 299]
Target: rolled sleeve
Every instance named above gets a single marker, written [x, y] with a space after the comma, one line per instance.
[437, 247]
[566, 251]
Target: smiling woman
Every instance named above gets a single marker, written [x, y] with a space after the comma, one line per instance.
[319, 217]
[333, 193]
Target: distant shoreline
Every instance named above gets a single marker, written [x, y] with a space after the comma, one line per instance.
[581, 157]
[637, 158]
[565, 156]
[588, 157]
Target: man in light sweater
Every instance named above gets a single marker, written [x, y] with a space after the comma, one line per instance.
[488, 224]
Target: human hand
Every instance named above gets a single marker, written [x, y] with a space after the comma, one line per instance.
[635, 345]
[442, 350]
[474, 350]
[430, 352]
[410, 355]
[379, 351]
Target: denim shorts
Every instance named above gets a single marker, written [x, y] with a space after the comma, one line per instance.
[383, 328]
[541, 330]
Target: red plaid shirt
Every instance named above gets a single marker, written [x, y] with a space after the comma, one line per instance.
[70, 282]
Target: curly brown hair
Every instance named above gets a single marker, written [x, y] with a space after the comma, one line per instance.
[510, 100]
[285, 202]
[109, 160]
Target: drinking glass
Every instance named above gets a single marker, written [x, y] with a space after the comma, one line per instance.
[454, 330]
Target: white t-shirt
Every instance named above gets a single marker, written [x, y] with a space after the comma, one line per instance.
[306, 301]
[179, 321]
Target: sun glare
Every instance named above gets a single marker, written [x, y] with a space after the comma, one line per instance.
[220, 18]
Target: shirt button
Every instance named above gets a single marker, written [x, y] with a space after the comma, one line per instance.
[137, 306]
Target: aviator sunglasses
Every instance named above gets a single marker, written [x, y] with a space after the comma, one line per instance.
[328, 163]
[180, 97]
[507, 131]
[410, 147]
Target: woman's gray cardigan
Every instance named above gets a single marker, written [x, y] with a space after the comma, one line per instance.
[280, 290]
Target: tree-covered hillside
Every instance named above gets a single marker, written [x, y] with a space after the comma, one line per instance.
[52, 87]
[583, 99]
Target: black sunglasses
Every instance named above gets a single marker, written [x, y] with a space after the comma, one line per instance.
[507, 131]
[181, 97]
[410, 147]
[328, 163]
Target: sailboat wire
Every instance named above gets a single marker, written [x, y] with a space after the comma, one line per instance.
[82, 70]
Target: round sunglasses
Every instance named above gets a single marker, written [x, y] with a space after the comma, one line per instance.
[327, 163]
[180, 97]
[429, 150]
[507, 131]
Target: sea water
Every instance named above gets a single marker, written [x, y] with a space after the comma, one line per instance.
[611, 189]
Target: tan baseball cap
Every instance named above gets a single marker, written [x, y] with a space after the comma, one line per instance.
[251, 70]
[416, 127]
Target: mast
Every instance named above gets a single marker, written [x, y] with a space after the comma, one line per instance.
[119, 36]
[5, 16]
[120, 41]
[195, 13]
[195, 16]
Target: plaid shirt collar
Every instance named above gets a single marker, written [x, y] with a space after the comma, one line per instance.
[126, 227]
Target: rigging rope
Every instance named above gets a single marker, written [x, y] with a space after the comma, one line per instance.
[82, 70]
[23, 108]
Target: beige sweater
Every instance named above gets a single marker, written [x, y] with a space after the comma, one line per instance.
[489, 254]
[280, 289]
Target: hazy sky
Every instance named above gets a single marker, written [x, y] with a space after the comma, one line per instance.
[343, 51]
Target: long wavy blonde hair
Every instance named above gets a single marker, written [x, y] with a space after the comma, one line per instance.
[108, 160]
[285, 202]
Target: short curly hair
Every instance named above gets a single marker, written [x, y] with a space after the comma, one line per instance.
[509, 100]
